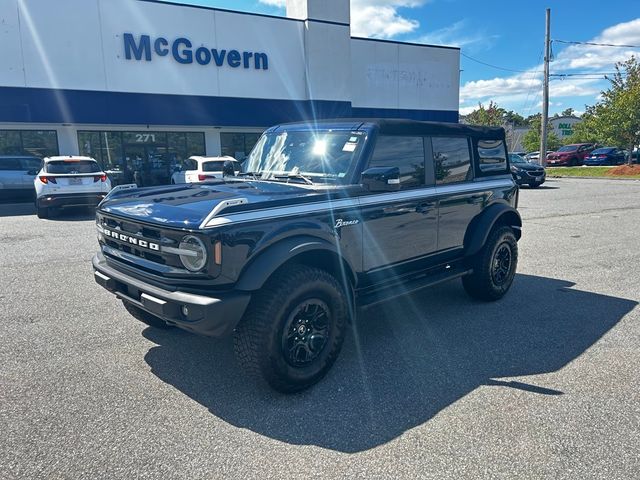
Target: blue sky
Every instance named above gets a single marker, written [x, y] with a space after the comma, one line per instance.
[507, 34]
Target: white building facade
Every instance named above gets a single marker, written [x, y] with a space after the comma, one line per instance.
[143, 84]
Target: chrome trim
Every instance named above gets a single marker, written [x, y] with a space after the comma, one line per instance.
[179, 251]
[221, 206]
[365, 200]
[152, 299]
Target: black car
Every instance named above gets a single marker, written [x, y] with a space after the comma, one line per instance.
[327, 220]
[605, 156]
[525, 172]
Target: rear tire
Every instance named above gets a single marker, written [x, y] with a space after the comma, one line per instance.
[293, 329]
[494, 266]
[145, 317]
[42, 212]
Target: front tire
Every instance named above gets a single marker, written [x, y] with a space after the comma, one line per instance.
[293, 329]
[494, 266]
[145, 317]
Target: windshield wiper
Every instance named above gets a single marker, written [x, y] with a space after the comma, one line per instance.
[294, 175]
[256, 175]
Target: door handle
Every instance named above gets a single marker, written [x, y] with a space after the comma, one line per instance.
[425, 207]
[473, 199]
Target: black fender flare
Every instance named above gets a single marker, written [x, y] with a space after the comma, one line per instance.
[258, 271]
[481, 226]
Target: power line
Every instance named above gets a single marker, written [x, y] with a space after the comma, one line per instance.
[581, 74]
[492, 66]
[597, 44]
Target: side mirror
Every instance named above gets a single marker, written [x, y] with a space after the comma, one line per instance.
[32, 172]
[228, 169]
[381, 179]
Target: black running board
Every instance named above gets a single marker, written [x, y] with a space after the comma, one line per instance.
[427, 279]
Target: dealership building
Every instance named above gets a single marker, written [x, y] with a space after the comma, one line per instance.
[144, 84]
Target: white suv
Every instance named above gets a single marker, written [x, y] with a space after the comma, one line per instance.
[69, 181]
[200, 169]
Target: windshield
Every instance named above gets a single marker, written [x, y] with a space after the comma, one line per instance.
[568, 148]
[513, 158]
[216, 166]
[320, 156]
[73, 166]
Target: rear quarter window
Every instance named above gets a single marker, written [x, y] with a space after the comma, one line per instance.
[492, 157]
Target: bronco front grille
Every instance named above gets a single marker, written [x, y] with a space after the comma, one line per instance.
[140, 240]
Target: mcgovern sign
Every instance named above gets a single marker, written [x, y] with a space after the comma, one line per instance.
[182, 51]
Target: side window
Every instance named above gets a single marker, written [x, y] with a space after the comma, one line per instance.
[452, 159]
[492, 157]
[406, 153]
[190, 164]
[10, 164]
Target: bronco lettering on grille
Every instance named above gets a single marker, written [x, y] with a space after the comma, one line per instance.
[132, 240]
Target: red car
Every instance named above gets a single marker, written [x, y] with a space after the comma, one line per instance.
[570, 155]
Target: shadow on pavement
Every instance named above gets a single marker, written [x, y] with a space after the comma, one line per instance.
[17, 209]
[401, 364]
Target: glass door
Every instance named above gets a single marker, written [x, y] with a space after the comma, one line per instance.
[150, 164]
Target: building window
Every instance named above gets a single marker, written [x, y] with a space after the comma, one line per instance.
[143, 157]
[39, 143]
[238, 145]
[492, 157]
[452, 159]
[406, 153]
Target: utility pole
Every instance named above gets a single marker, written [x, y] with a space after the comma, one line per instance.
[545, 90]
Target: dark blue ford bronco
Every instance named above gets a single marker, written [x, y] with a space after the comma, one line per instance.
[326, 219]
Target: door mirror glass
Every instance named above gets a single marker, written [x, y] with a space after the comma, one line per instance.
[381, 179]
[228, 168]
[32, 172]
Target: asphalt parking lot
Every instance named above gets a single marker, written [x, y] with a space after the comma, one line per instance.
[543, 383]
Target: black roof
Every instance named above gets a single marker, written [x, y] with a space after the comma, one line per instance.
[393, 126]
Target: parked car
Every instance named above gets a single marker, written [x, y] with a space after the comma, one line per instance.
[328, 217]
[68, 182]
[525, 172]
[201, 169]
[534, 156]
[606, 156]
[17, 173]
[570, 155]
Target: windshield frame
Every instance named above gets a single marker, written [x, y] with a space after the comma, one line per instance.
[296, 176]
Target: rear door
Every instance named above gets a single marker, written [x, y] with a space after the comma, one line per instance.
[11, 174]
[400, 227]
[459, 198]
[30, 168]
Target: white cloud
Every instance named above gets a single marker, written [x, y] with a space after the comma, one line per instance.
[458, 35]
[375, 18]
[522, 90]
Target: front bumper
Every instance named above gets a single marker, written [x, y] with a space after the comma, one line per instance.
[70, 200]
[214, 316]
[524, 177]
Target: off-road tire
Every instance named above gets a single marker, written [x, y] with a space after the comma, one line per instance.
[145, 317]
[259, 338]
[482, 284]
[42, 212]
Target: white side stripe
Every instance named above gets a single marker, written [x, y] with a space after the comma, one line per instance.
[365, 200]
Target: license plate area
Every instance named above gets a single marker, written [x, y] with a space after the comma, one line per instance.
[75, 181]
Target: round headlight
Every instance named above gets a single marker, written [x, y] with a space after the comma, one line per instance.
[194, 256]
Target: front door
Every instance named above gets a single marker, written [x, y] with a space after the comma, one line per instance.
[400, 228]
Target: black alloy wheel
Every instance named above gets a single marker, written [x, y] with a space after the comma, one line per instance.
[306, 332]
[501, 264]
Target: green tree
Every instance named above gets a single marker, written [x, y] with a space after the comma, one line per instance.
[615, 120]
[531, 139]
[492, 115]
[568, 112]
